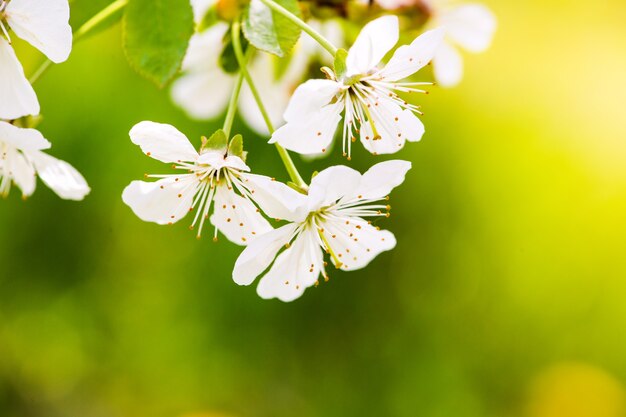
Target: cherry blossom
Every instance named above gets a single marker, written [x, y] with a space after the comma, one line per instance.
[43, 24]
[204, 88]
[213, 180]
[22, 159]
[329, 219]
[470, 27]
[366, 94]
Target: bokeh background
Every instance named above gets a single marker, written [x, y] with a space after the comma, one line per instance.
[504, 297]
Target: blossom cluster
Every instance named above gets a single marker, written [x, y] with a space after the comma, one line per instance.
[43, 24]
[291, 231]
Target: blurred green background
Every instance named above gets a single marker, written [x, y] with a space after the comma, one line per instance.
[504, 297]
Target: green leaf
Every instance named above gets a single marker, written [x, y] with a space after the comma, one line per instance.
[156, 36]
[340, 63]
[270, 31]
[236, 146]
[217, 142]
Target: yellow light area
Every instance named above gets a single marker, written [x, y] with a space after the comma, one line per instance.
[576, 390]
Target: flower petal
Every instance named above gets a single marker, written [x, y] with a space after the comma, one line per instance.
[218, 160]
[202, 96]
[260, 253]
[311, 97]
[379, 180]
[44, 24]
[408, 59]
[17, 97]
[393, 124]
[204, 88]
[165, 201]
[375, 40]
[59, 176]
[355, 242]
[200, 9]
[448, 66]
[313, 135]
[276, 199]
[471, 26]
[22, 139]
[237, 217]
[276, 93]
[331, 184]
[20, 169]
[296, 269]
[162, 142]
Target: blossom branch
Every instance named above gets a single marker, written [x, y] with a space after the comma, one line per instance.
[291, 168]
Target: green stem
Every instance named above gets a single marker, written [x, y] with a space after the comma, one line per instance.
[291, 168]
[83, 31]
[234, 100]
[299, 22]
[100, 17]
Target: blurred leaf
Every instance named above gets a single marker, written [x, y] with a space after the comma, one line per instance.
[270, 31]
[156, 36]
[228, 60]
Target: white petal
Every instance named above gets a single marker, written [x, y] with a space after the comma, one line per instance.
[260, 253]
[204, 88]
[379, 180]
[203, 52]
[59, 176]
[296, 269]
[165, 201]
[355, 242]
[311, 97]
[17, 97]
[276, 199]
[44, 24]
[331, 184]
[313, 135]
[408, 59]
[275, 93]
[22, 139]
[375, 40]
[448, 66]
[17, 167]
[162, 142]
[237, 217]
[393, 124]
[218, 160]
[200, 8]
[202, 96]
[472, 26]
[235, 162]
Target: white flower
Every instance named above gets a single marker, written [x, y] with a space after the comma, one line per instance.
[215, 176]
[330, 219]
[204, 88]
[43, 24]
[21, 160]
[470, 27]
[365, 94]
